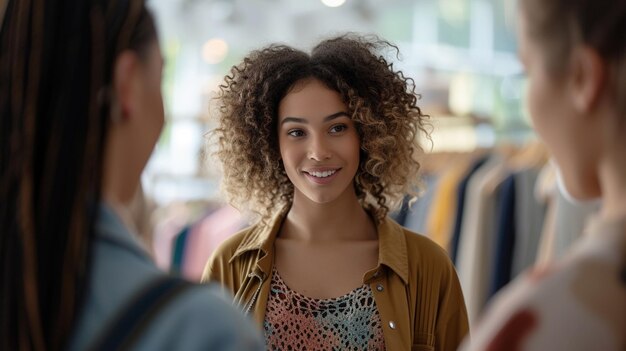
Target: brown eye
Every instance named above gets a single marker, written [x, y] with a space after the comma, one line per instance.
[338, 128]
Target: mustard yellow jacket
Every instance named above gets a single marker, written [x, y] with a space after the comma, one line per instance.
[415, 285]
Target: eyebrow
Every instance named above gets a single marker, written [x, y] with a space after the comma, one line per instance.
[304, 121]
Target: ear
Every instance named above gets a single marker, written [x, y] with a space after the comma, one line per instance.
[588, 77]
[125, 73]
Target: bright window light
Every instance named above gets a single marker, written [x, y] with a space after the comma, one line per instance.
[333, 3]
[214, 51]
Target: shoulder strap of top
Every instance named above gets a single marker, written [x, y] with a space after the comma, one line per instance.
[125, 328]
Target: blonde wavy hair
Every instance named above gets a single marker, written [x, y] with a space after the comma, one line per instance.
[381, 101]
[558, 25]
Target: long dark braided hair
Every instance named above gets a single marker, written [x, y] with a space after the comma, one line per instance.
[56, 59]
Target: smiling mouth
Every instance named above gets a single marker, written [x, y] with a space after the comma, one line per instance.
[321, 174]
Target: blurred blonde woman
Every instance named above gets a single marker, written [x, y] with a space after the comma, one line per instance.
[574, 54]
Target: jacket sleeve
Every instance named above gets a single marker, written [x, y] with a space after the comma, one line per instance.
[201, 319]
[218, 269]
[452, 324]
[213, 270]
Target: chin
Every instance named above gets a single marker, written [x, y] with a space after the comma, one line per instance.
[586, 194]
[321, 200]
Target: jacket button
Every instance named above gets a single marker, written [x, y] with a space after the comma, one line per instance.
[392, 324]
[379, 287]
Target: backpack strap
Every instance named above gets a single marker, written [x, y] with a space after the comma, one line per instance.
[623, 271]
[125, 328]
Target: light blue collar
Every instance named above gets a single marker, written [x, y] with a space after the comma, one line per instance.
[111, 229]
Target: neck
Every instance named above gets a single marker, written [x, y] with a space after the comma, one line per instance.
[122, 173]
[121, 209]
[339, 220]
[613, 183]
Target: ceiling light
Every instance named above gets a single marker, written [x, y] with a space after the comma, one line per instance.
[333, 3]
[214, 51]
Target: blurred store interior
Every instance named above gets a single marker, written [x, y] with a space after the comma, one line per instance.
[461, 54]
[490, 196]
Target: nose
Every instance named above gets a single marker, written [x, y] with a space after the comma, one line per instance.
[319, 149]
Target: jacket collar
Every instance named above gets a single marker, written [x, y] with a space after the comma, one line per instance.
[261, 236]
[110, 228]
[392, 249]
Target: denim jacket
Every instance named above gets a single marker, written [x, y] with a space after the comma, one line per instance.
[201, 318]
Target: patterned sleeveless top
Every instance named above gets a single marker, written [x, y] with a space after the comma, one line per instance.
[296, 322]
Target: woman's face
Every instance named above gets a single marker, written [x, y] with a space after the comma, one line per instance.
[133, 137]
[319, 144]
[151, 99]
[564, 130]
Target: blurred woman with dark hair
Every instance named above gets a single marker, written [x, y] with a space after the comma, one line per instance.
[80, 112]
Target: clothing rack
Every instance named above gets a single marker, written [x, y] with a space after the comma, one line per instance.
[496, 211]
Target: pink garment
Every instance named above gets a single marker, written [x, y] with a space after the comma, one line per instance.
[164, 234]
[205, 236]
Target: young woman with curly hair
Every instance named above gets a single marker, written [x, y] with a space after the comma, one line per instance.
[323, 145]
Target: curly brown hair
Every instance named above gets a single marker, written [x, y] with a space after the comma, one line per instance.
[381, 101]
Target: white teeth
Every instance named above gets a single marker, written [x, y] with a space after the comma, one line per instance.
[322, 174]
